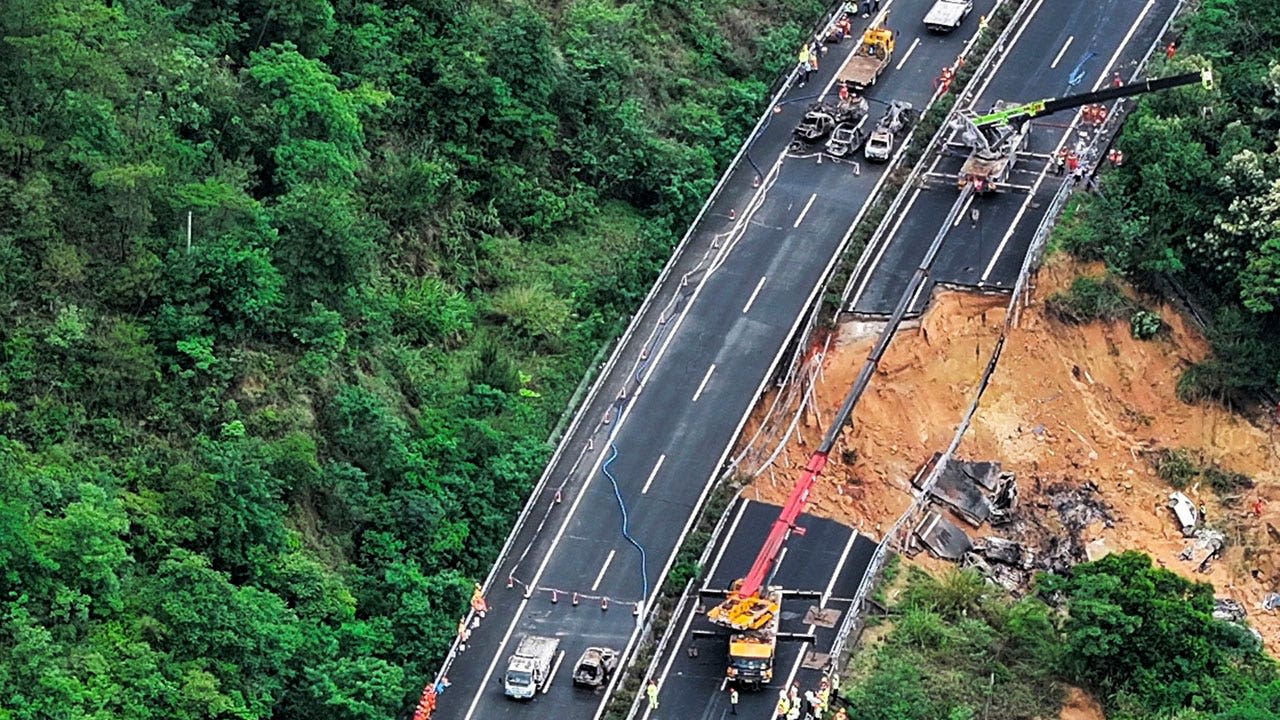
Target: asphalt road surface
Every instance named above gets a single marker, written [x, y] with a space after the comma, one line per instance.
[1062, 38]
[706, 362]
[829, 558]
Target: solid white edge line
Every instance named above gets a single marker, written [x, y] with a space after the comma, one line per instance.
[805, 211]
[1013, 41]
[826, 595]
[703, 385]
[693, 609]
[1062, 52]
[884, 246]
[754, 293]
[603, 569]
[652, 474]
[1066, 137]
[551, 676]
[910, 50]
[963, 212]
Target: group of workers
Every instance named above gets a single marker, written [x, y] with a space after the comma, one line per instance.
[811, 705]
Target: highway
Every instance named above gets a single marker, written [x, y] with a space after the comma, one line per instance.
[1106, 34]
[676, 395]
[829, 558]
[1060, 38]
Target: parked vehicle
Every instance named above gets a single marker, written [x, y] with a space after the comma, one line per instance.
[530, 668]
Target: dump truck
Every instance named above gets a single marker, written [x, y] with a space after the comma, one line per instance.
[946, 15]
[873, 55]
[595, 667]
[897, 118]
[751, 652]
[530, 668]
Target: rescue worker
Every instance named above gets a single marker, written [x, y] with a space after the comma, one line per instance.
[973, 217]
[844, 93]
[784, 705]
[733, 701]
[1116, 80]
[1115, 157]
[1060, 163]
[810, 704]
[651, 692]
[824, 698]
[477, 601]
[982, 23]
[805, 66]
[1171, 50]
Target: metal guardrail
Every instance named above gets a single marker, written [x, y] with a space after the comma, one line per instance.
[899, 533]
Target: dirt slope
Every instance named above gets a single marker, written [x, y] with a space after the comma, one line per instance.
[1067, 404]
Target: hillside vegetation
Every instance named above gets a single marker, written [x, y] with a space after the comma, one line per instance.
[1197, 200]
[1138, 636]
[253, 472]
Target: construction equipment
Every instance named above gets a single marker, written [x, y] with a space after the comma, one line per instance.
[531, 668]
[998, 136]
[595, 666]
[750, 608]
[873, 55]
[897, 118]
[946, 15]
[751, 651]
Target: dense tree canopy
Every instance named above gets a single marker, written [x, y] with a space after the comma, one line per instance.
[253, 472]
[1198, 197]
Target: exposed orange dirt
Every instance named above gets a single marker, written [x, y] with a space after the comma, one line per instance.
[1080, 705]
[1068, 403]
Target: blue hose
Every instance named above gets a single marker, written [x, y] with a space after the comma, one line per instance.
[622, 507]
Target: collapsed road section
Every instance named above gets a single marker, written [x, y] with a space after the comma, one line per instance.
[587, 556]
[1063, 49]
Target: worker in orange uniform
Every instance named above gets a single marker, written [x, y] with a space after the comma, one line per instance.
[1116, 80]
[1171, 50]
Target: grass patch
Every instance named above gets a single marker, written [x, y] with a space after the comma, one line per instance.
[1089, 299]
[1182, 467]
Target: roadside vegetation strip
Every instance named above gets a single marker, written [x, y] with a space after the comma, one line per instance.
[624, 701]
[598, 378]
[932, 124]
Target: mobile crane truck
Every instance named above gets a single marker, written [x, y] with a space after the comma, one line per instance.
[997, 137]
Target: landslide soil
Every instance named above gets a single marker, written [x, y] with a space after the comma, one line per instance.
[1067, 403]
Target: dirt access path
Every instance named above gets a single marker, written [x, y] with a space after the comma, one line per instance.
[1072, 404]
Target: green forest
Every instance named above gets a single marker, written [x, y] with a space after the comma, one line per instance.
[294, 293]
[1194, 210]
[1140, 638]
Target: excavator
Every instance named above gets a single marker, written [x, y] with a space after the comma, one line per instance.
[998, 136]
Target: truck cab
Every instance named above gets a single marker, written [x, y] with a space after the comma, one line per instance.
[530, 668]
[751, 658]
[522, 679]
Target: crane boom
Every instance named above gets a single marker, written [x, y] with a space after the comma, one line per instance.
[1048, 106]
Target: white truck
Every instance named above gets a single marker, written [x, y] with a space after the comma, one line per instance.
[529, 670]
[946, 15]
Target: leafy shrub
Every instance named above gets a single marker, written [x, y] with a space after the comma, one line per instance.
[1145, 324]
[1176, 466]
[1089, 299]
